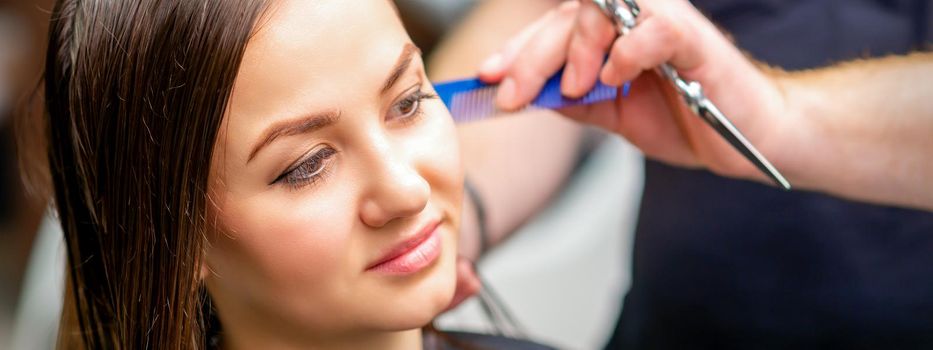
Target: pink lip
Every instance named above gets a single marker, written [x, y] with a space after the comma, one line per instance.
[411, 255]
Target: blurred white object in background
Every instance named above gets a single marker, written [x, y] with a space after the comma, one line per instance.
[40, 303]
[564, 273]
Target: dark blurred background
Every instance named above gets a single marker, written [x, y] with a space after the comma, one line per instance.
[23, 26]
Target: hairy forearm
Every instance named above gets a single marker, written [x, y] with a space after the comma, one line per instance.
[516, 163]
[862, 130]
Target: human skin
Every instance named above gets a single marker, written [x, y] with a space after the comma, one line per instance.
[501, 153]
[859, 130]
[289, 263]
[827, 133]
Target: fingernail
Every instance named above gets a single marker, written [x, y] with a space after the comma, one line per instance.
[491, 64]
[506, 93]
[568, 84]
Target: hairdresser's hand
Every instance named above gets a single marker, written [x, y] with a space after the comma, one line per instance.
[468, 284]
[652, 117]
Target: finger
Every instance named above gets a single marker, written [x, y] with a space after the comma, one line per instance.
[658, 39]
[495, 66]
[647, 118]
[602, 114]
[593, 34]
[541, 57]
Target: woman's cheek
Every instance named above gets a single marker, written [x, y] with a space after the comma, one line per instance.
[447, 159]
[290, 242]
[440, 142]
[441, 166]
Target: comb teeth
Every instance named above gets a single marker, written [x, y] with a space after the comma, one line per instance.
[474, 105]
[471, 100]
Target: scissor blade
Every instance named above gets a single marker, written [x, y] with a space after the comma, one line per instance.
[728, 131]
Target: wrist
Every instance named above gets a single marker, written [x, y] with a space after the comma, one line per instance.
[766, 115]
[790, 143]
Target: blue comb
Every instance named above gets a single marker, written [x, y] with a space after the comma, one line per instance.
[471, 99]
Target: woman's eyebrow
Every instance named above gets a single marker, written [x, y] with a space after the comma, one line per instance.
[318, 121]
[294, 127]
[401, 65]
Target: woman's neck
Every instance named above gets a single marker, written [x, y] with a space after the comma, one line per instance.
[243, 330]
[403, 340]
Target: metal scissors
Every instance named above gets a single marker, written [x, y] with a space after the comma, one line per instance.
[624, 15]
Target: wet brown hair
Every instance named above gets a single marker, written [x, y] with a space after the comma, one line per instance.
[135, 92]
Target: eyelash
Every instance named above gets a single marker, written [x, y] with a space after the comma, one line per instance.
[308, 171]
[413, 100]
[313, 169]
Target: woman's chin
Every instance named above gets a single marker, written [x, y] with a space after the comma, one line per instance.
[423, 302]
[406, 316]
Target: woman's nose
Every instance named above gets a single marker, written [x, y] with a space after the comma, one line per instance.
[396, 190]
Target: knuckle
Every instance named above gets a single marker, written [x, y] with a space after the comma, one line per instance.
[514, 45]
[594, 28]
[524, 73]
[578, 50]
[670, 29]
[620, 55]
[590, 32]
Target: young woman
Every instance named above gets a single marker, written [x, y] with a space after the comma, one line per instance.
[249, 175]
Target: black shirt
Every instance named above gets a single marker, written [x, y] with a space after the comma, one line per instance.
[731, 264]
[476, 341]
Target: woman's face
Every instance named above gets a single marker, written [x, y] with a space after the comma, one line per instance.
[336, 180]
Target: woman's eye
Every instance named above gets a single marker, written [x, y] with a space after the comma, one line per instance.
[309, 170]
[410, 106]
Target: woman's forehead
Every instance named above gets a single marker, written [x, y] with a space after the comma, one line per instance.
[323, 40]
[324, 28]
[307, 56]
[319, 46]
